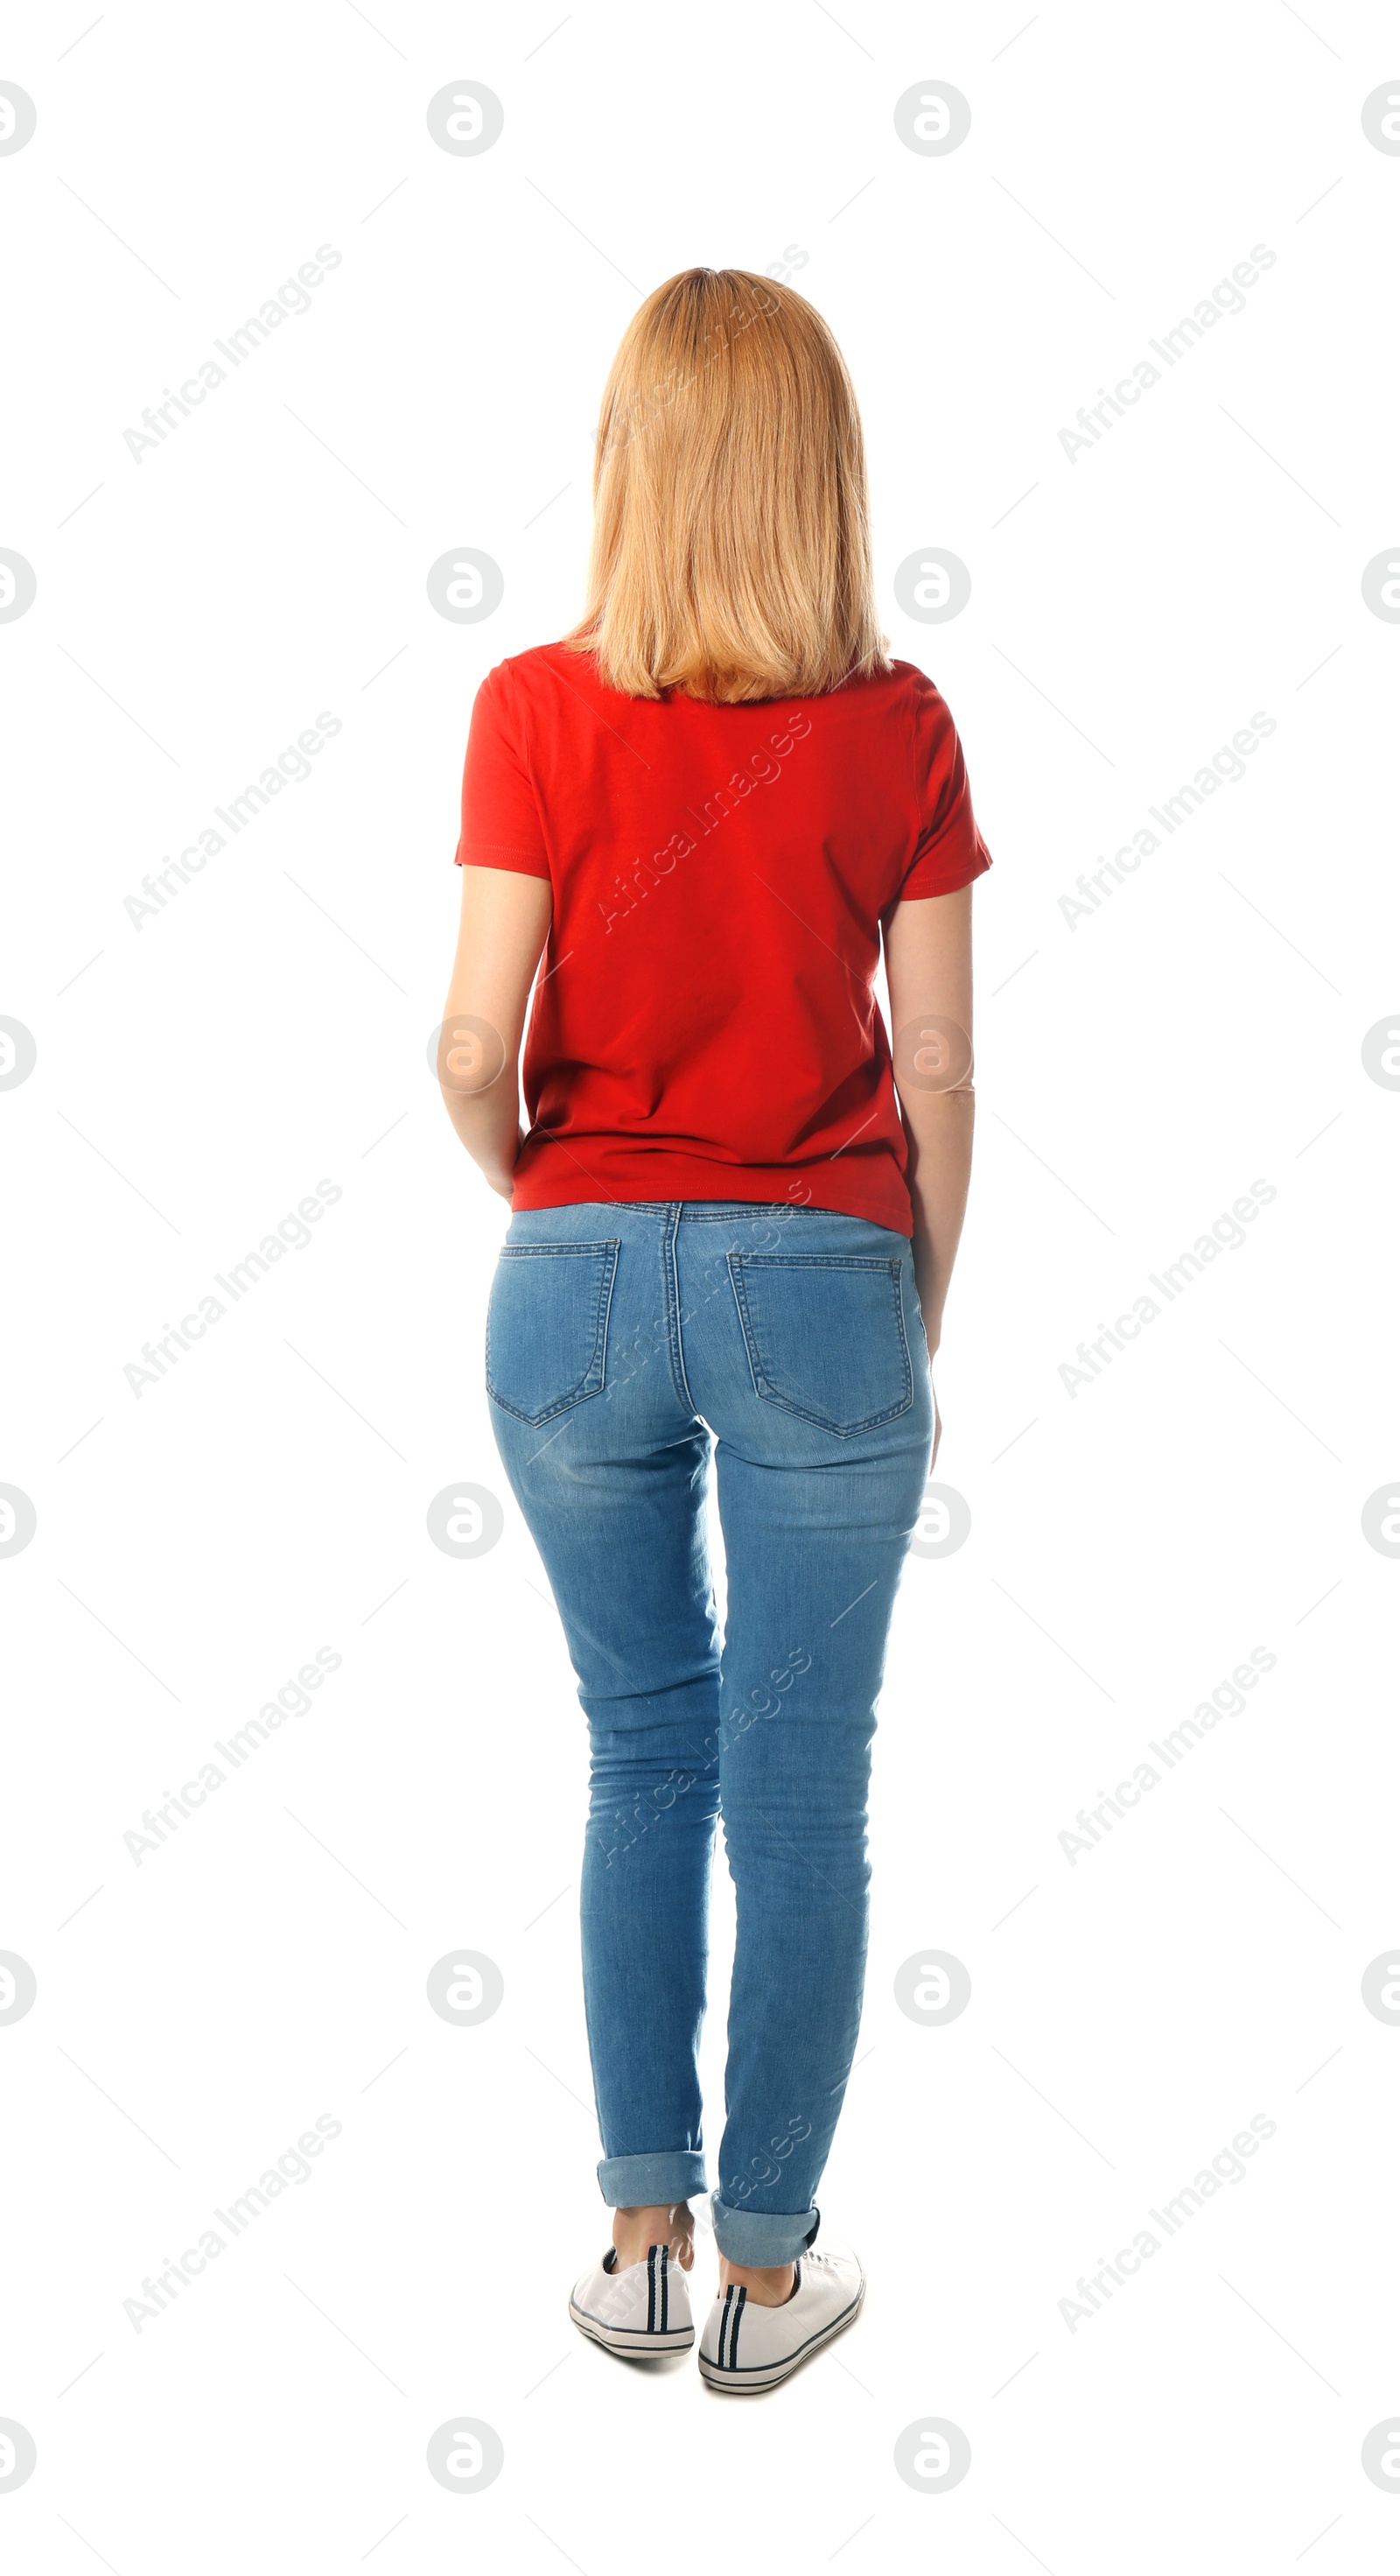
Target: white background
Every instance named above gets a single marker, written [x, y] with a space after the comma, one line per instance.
[1131, 1542]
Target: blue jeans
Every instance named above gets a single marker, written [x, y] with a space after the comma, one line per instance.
[620, 1338]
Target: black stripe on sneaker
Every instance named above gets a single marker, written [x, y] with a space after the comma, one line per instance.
[734, 2330]
[651, 2289]
[665, 2287]
[724, 2321]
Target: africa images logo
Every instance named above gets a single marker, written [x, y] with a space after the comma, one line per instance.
[761, 769]
[159, 419]
[1094, 419]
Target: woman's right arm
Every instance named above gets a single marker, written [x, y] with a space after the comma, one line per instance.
[928, 965]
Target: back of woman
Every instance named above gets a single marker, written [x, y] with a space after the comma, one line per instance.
[707, 1019]
[691, 824]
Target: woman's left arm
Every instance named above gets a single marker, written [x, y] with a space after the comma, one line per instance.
[500, 940]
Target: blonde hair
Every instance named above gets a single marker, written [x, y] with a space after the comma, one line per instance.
[731, 527]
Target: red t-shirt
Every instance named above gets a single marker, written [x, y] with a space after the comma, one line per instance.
[704, 1023]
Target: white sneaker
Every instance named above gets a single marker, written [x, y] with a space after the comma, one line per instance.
[641, 2310]
[745, 2347]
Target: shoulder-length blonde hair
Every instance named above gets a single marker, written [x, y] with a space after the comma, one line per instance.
[731, 528]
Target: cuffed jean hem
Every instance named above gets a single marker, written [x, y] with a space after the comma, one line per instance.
[652, 2182]
[758, 2238]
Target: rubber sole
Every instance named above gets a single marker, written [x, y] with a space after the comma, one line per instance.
[633, 2343]
[748, 2383]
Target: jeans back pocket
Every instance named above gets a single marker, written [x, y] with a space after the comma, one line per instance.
[547, 1326]
[825, 1335]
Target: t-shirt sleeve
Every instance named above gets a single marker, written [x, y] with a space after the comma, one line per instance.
[949, 851]
[501, 825]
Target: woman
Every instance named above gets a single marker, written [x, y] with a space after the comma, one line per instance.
[695, 817]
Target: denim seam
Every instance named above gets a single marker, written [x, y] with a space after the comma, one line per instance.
[672, 1290]
[819, 1261]
[726, 1212]
[583, 1393]
[707, 1211]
